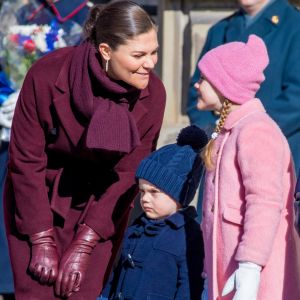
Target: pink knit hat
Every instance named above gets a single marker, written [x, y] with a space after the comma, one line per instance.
[236, 69]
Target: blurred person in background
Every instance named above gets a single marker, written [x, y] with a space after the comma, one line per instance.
[6, 96]
[85, 118]
[64, 14]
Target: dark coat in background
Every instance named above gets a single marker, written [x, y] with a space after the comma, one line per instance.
[297, 189]
[54, 180]
[279, 27]
[6, 277]
[160, 259]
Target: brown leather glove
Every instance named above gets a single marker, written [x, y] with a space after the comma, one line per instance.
[44, 257]
[75, 261]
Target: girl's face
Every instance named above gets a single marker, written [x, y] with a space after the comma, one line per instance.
[155, 203]
[208, 97]
[133, 61]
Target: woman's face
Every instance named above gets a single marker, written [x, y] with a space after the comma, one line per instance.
[208, 97]
[155, 203]
[133, 61]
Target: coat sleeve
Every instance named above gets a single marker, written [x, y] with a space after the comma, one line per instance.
[27, 163]
[285, 108]
[183, 290]
[190, 267]
[107, 214]
[261, 164]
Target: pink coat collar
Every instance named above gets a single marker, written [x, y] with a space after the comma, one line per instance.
[243, 111]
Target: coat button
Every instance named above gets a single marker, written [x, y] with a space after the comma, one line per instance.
[53, 131]
[213, 208]
[130, 260]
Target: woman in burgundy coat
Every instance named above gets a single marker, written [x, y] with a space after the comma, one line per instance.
[85, 118]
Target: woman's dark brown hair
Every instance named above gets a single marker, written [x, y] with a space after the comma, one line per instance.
[116, 22]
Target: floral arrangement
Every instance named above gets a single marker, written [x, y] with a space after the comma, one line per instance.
[24, 44]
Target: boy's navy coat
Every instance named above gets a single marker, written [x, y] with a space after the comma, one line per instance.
[279, 27]
[160, 262]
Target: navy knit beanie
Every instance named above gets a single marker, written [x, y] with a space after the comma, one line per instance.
[176, 168]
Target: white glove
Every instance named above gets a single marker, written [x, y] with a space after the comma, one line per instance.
[7, 109]
[204, 295]
[245, 280]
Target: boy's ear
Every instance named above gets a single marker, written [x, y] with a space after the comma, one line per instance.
[105, 51]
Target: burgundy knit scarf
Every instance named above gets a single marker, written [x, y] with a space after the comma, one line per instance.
[102, 103]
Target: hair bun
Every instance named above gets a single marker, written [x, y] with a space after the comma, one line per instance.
[194, 136]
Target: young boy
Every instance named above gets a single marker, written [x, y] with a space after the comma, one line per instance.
[162, 254]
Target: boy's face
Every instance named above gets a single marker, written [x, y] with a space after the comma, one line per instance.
[155, 203]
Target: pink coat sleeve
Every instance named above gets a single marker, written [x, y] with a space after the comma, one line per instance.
[261, 159]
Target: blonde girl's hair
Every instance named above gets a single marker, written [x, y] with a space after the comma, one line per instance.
[206, 153]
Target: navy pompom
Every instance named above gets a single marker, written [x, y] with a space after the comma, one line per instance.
[194, 136]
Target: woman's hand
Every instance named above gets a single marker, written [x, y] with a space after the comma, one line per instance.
[245, 280]
[44, 257]
[75, 261]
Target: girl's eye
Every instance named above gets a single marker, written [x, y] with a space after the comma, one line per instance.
[201, 79]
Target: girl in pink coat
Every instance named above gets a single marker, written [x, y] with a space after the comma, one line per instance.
[250, 250]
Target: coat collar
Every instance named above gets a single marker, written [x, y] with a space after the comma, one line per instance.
[72, 127]
[270, 20]
[182, 216]
[176, 220]
[246, 109]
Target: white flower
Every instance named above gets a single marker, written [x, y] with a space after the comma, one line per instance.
[60, 43]
[39, 39]
[23, 29]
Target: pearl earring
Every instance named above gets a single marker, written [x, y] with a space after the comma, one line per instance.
[106, 66]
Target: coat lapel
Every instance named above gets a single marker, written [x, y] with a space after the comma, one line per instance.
[235, 27]
[73, 129]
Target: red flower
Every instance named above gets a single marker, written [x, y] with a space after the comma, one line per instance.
[29, 46]
[14, 38]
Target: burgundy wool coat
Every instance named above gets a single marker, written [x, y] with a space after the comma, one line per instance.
[55, 181]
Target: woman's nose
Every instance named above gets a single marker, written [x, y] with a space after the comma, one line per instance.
[149, 62]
